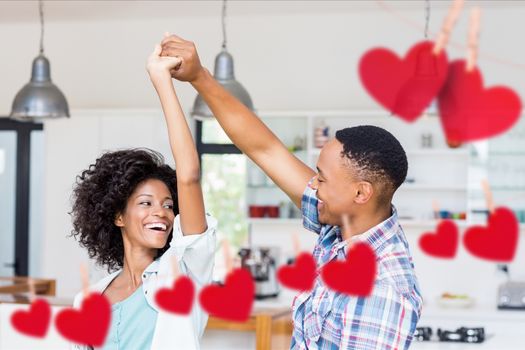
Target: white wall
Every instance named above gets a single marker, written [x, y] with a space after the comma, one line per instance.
[304, 59]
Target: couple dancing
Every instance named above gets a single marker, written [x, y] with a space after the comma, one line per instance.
[134, 214]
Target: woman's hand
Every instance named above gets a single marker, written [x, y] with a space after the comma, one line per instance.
[159, 67]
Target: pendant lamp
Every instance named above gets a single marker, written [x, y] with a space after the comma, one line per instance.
[40, 98]
[223, 73]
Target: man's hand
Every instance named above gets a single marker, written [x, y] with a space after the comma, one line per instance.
[190, 68]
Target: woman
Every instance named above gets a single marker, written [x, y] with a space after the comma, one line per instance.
[133, 214]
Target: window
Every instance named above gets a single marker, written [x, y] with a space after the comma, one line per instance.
[20, 194]
[223, 183]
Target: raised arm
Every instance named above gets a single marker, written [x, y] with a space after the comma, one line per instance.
[243, 127]
[189, 192]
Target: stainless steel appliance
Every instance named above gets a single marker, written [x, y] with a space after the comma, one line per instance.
[262, 264]
[511, 296]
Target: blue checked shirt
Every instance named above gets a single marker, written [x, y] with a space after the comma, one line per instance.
[386, 319]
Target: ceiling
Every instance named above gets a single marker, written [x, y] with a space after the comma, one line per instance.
[21, 11]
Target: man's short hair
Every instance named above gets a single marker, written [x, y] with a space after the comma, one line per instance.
[375, 156]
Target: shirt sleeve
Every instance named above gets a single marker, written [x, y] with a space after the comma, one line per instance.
[384, 320]
[196, 251]
[309, 209]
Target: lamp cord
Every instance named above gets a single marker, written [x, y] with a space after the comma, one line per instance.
[41, 11]
[224, 24]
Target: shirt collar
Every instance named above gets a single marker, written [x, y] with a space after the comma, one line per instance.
[378, 235]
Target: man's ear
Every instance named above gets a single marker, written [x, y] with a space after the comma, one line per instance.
[365, 190]
[119, 222]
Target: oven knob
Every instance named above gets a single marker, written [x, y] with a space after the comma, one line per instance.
[523, 300]
[504, 299]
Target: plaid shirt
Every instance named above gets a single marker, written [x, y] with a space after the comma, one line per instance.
[386, 319]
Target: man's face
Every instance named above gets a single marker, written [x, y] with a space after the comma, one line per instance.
[336, 189]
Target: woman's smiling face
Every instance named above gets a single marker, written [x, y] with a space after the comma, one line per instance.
[148, 218]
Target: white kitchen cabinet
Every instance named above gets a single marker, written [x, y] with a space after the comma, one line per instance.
[436, 173]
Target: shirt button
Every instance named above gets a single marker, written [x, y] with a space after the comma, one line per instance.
[144, 276]
[146, 292]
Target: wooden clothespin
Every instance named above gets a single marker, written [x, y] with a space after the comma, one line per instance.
[488, 196]
[473, 38]
[85, 279]
[226, 252]
[296, 244]
[175, 268]
[448, 24]
[32, 289]
[435, 208]
[345, 231]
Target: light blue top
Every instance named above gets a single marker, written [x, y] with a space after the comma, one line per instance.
[132, 323]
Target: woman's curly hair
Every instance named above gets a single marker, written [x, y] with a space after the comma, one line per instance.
[101, 192]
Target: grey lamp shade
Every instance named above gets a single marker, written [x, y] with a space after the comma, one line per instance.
[224, 74]
[40, 98]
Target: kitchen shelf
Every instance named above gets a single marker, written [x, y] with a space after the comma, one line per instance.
[266, 186]
[438, 152]
[417, 187]
[277, 221]
[506, 153]
[422, 152]
[499, 188]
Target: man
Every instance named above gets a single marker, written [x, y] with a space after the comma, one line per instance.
[357, 175]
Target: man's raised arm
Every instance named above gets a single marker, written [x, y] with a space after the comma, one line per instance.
[243, 127]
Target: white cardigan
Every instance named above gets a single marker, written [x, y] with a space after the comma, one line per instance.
[195, 254]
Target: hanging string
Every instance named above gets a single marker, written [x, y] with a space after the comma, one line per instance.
[224, 24]
[427, 17]
[411, 23]
[41, 12]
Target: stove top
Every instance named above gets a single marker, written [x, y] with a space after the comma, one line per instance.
[461, 335]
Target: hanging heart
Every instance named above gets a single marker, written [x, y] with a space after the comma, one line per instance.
[178, 299]
[470, 112]
[89, 325]
[355, 275]
[35, 321]
[300, 275]
[443, 243]
[404, 86]
[233, 301]
[496, 242]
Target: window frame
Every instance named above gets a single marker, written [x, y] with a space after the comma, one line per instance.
[22, 189]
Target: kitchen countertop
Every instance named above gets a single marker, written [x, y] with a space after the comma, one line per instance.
[504, 329]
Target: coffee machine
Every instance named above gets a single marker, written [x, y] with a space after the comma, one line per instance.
[262, 264]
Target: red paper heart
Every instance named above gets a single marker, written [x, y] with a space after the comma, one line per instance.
[355, 275]
[178, 299]
[469, 112]
[404, 86]
[444, 243]
[498, 241]
[300, 275]
[234, 300]
[35, 321]
[89, 325]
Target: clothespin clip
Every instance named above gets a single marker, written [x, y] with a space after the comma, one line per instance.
[85, 279]
[435, 208]
[175, 268]
[473, 36]
[226, 252]
[32, 289]
[296, 244]
[345, 231]
[448, 24]
[488, 196]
